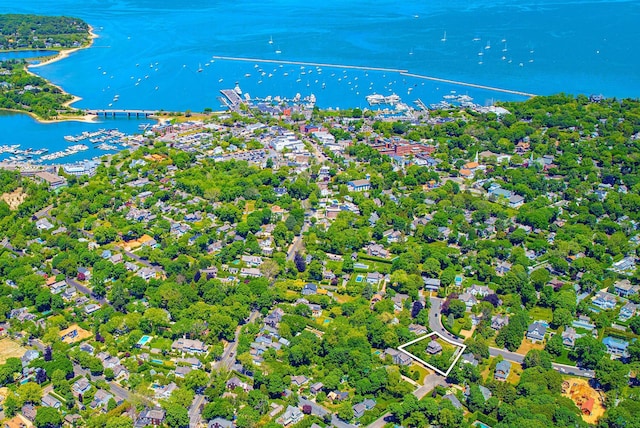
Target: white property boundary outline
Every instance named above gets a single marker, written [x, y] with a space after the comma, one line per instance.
[457, 356]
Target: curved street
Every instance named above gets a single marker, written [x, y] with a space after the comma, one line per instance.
[435, 324]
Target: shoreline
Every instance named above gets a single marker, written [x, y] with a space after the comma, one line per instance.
[62, 54]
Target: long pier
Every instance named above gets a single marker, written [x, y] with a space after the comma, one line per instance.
[116, 112]
[402, 72]
[472, 85]
[310, 64]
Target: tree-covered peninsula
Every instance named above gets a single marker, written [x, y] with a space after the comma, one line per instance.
[42, 32]
[24, 91]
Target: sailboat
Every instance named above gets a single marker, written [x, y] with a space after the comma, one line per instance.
[444, 37]
[505, 47]
[199, 68]
[271, 40]
[488, 45]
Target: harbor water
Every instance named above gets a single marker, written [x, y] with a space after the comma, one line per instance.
[174, 56]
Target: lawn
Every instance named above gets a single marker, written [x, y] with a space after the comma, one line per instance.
[161, 343]
[343, 298]
[564, 358]
[516, 372]
[423, 372]
[10, 349]
[538, 313]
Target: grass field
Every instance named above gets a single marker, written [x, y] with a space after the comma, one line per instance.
[564, 358]
[538, 313]
[161, 343]
[423, 372]
[10, 349]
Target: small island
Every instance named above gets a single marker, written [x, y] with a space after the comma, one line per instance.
[23, 91]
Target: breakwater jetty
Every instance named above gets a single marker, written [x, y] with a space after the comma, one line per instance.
[310, 64]
[402, 72]
[471, 85]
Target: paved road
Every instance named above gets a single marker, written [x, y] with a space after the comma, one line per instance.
[381, 421]
[195, 415]
[316, 409]
[339, 423]
[295, 247]
[430, 382]
[143, 262]
[229, 354]
[43, 212]
[81, 288]
[434, 320]
[436, 325]
[116, 389]
[6, 244]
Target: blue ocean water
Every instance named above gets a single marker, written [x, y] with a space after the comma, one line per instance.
[149, 52]
[4, 56]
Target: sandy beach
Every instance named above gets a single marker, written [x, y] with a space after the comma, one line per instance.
[87, 118]
[65, 53]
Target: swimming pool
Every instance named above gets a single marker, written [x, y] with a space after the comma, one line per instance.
[143, 340]
[359, 278]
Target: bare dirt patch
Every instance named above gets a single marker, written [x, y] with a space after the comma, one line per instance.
[586, 398]
[10, 349]
[527, 346]
[14, 199]
[74, 334]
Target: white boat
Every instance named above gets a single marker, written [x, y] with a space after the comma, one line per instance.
[444, 37]
[199, 68]
[488, 45]
[271, 40]
[278, 51]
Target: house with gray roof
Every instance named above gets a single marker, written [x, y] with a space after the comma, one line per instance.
[503, 368]
[536, 332]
